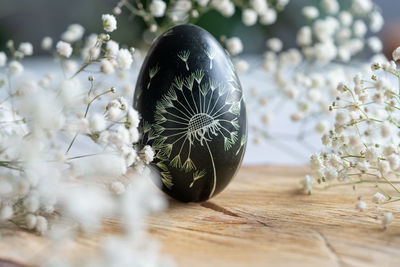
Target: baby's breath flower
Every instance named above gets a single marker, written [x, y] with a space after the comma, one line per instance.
[310, 12]
[117, 188]
[148, 154]
[378, 198]
[73, 33]
[3, 59]
[396, 54]
[249, 17]
[124, 59]
[109, 22]
[47, 43]
[234, 45]
[107, 66]
[268, 17]
[387, 219]
[6, 213]
[361, 206]
[97, 122]
[64, 49]
[26, 48]
[15, 68]
[112, 48]
[242, 66]
[41, 225]
[275, 44]
[307, 184]
[260, 6]
[31, 221]
[157, 8]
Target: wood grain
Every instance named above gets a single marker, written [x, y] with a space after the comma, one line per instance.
[261, 219]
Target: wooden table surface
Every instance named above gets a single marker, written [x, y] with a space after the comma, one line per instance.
[261, 219]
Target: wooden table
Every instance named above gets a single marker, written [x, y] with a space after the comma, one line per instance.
[262, 219]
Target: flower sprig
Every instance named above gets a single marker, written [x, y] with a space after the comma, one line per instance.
[69, 152]
[362, 147]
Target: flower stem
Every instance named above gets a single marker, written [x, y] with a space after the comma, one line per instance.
[215, 173]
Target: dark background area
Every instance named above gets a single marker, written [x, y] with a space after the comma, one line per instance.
[31, 20]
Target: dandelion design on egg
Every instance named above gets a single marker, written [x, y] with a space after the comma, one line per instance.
[152, 72]
[184, 56]
[192, 112]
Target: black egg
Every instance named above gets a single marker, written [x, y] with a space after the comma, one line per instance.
[194, 114]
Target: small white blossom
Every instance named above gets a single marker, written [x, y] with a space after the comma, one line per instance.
[107, 66]
[331, 6]
[3, 59]
[331, 174]
[376, 22]
[241, 65]
[112, 48]
[124, 59]
[97, 122]
[30, 221]
[375, 44]
[372, 154]
[109, 22]
[118, 188]
[26, 48]
[47, 43]
[268, 17]
[310, 12]
[316, 162]
[260, 6]
[234, 46]
[157, 8]
[361, 206]
[359, 28]
[202, 2]
[73, 33]
[345, 18]
[148, 154]
[6, 213]
[384, 166]
[307, 184]
[15, 68]
[64, 49]
[378, 198]
[387, 219]
[396, 54]
[304, 36]
[41, 225]
[249, 17]
[275, 44]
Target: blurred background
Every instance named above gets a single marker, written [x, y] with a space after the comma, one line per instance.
[27, 20]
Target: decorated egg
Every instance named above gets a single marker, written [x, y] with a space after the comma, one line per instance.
[193, 113]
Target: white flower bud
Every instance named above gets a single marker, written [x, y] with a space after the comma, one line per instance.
[64, 49]
[249, 17]
[109, 22]
[30, 221]
[361, 206]
[41, 225]
[234, 46]
[157, 8]
[378, 198]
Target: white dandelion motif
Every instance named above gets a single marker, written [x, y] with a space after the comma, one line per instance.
[210, 54]
[152, 72]
[192, 113]
[184, 56]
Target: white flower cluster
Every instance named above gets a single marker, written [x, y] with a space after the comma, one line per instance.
[333, 38]
[340, 34]
[185, 11]
[67, 143]
[363, 143]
